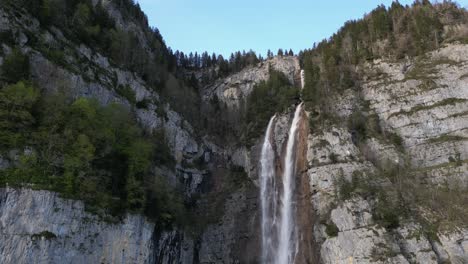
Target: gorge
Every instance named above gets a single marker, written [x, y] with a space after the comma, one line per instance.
[113, 149]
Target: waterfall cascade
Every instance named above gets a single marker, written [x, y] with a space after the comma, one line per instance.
[268, 195]
[279, 237]
[302, 79]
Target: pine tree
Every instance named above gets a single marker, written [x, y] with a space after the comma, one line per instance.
[214, 59]
[280, 52]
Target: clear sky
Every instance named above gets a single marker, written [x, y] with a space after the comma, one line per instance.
[224, 26]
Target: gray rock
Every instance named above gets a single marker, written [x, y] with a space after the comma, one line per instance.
[75, 235]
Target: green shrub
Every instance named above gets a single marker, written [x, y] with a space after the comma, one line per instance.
[44, 234]
[56, 56]
[127, 92]
[15, 67]
[143, 104]
[7, 37]
[331, 229]
[16, 113]
[162, 154]
[396, 140]
[387, 212]
[357, 123]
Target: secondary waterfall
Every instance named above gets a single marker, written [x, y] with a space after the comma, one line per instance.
[302, 79]
[279, 237]
[268, 195]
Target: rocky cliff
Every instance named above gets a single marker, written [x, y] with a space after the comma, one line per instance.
[51, 229]
[424, 101]
[235, 88]
[41, 227]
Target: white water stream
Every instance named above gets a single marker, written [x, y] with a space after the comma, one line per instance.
[279, 238]
[287, 242]
[268, 196]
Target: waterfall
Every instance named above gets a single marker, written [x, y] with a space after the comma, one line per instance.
[268, 195]
[287, 241]
[302, 79]
[279, 238]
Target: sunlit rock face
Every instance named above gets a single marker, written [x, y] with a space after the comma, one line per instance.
[425, 102]
[234, 89]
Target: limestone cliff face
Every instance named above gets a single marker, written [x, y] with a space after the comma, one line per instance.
[424, 101]
[41, 227]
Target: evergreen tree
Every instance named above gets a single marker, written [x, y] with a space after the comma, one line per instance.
[269, 54]
[280, 52]
[16, 119]
[15, 66]
[214, 59]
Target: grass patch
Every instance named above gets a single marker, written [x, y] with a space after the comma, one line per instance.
[447, 138]
[464, 76]
[424, 67]
[381, 253]
[417, 108]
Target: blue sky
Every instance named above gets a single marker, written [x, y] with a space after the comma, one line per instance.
[224, 26]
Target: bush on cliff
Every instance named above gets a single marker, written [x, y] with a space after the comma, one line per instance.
[15, 67]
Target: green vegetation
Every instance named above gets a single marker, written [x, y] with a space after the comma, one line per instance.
[333, 158]
[447, 138]
[15, 67]
[417, 108]
[85, 151]
[143, 104]
[331, 229]
[387, 209]
[44, 234]
[83, 22]
[127, 93]
[16, 119]
[425, 68]
[400, 193]
[381, 253]
[267, 98]
[250, 119]
[390, 33]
